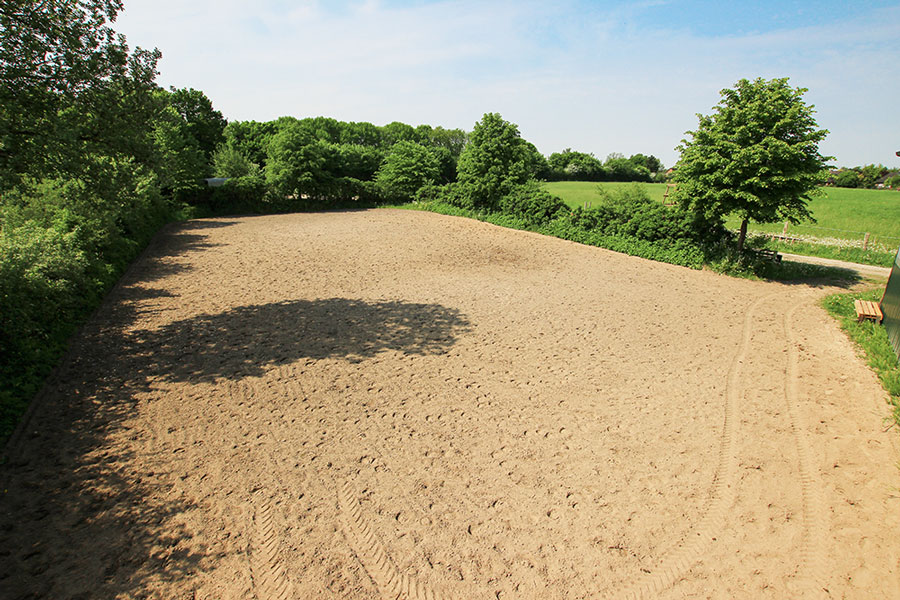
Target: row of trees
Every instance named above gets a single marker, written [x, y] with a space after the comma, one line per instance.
[867, 176]
[321, 160]
[757, 156]
[570, 165]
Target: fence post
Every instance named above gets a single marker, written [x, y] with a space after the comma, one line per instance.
[866, 242]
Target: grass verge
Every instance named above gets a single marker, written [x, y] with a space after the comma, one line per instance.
[872, 340]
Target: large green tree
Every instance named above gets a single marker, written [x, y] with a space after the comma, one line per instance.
[495, 160]
[180, 164]
[407, 167]
[757, 156]
[251, 138]
[298, 164]
[205, 124]
[69, 88]
[398, 132]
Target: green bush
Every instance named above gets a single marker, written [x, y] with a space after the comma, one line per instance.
[533, 204]
[44, 288]
[628, 212]
[676, 252]
[680, 252]
[406, 168]
[63, 243]
[455, 194]
[248, 194]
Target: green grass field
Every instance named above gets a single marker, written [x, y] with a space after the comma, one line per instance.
[841, 213]
[576, 193]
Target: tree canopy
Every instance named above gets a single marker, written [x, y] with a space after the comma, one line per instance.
[407, 167]
[204, 123]
[68, 87]
[495, 161]
[756, 156]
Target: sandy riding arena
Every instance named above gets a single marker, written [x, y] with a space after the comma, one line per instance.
[394, 404]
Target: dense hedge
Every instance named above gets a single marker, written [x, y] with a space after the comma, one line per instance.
[63, 244]
[626, 221]
[533, 204]
[629, 212]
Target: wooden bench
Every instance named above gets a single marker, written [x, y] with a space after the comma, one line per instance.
[768, 255]
[866, 309]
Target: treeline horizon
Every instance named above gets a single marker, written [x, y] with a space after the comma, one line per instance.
[865, 177]
[323, 158]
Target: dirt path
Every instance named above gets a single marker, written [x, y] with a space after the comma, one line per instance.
[388, 404]
[860, 269]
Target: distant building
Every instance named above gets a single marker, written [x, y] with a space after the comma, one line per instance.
[882, 182]
[215, 181]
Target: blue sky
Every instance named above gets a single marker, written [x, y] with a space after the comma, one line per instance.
[598, 77]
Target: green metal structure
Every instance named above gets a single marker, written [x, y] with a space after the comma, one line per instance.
[890, 305]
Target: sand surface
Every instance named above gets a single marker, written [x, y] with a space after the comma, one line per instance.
[385, 404]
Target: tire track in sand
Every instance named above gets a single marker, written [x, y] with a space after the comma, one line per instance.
[815, 518]
[724, 486]
[267, 570]
[390, 581]
[269, 578]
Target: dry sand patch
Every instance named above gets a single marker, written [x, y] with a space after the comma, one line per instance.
[380, 403]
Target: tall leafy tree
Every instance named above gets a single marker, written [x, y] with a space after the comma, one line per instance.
[398, 132]
[407, 167]
[496, 159]
[357, 161]
[298, 164]
[326, 129]
[204, 123]
[447, 145]
[757, 156]
[180, 163]
[360, 133]
[69, 87]
[453, 140]
[251, 138]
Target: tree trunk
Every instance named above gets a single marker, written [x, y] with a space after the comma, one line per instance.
[742, 235]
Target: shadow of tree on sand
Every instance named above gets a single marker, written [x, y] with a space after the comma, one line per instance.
[165, 254]
[246, 340]
[78, 520]
[83, 517]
